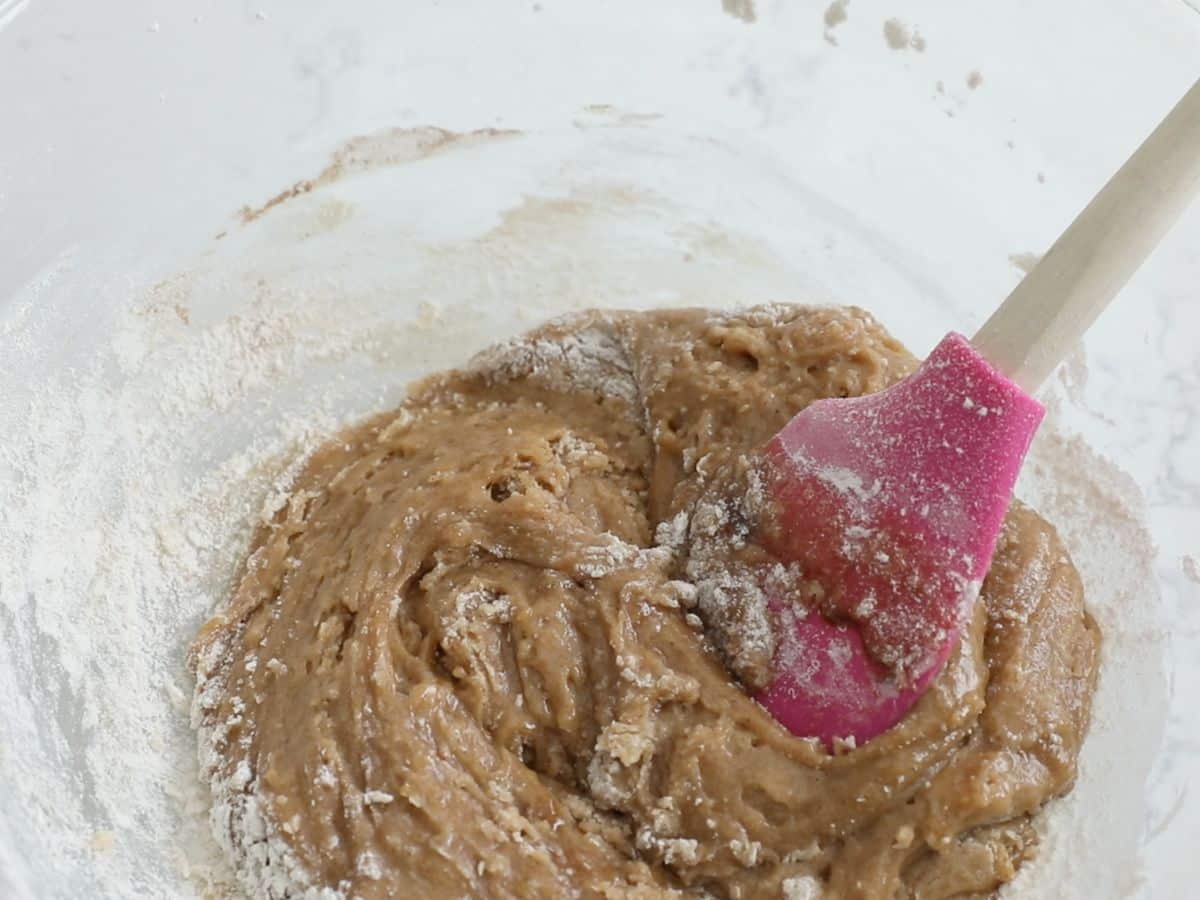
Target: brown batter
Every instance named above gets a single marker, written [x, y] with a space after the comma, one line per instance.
[466, 658]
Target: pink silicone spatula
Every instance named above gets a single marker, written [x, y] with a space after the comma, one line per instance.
[891, 503]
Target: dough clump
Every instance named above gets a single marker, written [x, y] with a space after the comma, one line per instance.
[479, 652]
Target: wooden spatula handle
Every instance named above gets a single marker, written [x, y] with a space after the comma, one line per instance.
[1048, 312]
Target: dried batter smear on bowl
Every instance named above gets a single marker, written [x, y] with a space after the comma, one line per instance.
[502, 642]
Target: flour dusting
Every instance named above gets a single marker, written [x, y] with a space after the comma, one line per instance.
[900, 36]
[835, 14]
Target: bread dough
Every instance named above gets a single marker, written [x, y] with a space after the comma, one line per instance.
[479, 652]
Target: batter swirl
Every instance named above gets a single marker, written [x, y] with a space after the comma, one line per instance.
[479, 652]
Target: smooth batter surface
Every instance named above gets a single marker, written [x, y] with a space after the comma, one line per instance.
[489, 647]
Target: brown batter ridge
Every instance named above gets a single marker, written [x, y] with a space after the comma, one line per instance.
[479, 652]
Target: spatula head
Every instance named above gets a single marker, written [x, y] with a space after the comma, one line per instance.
[890, 504]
